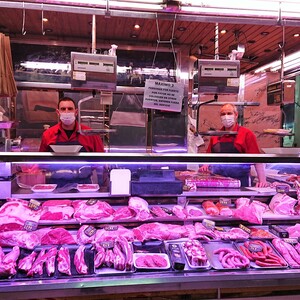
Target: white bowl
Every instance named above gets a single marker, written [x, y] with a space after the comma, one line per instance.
[66, 148]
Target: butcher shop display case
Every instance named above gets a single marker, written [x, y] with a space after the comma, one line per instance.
[81, 225]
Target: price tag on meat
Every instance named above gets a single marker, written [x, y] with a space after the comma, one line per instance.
[209, 224]
[30, 225]
[253, 247]
[108, 244]
[90, 231]
[111, 227]
[225, 201]
[246, 229]
[34, 204]
[291, 241]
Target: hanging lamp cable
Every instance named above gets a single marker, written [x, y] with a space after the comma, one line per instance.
[170, 41]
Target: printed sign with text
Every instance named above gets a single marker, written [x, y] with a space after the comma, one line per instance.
[163, 95]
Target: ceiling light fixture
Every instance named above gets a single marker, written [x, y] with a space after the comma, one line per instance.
[290, 61]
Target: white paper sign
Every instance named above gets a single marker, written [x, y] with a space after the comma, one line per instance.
[163, 95]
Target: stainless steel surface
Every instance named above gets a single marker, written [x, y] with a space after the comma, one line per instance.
[148, 282]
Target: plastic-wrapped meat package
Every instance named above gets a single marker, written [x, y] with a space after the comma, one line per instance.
[283, 204]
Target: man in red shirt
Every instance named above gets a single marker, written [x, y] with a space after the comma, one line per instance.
[66, 132]
[242, 142]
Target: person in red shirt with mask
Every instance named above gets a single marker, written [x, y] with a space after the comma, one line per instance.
[66, 132]
[242, 142]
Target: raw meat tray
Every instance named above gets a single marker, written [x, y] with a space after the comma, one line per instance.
[104, 270]
[215, 263]
[254, 265]
[187, 265]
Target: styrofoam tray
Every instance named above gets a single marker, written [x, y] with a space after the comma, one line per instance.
[86, 187]
[44, 188]
[137, 256]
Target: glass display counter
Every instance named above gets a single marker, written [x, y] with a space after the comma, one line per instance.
[127, 222]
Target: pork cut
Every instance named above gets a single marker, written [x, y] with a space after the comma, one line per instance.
[283, 204]
[57, 236]
[140, 207]
[15, 212]
[9, 262]
[159, 231]
[99, 210]
[110, 234]
[25, 264]
[50, 261]
[79, 261]
[83, 236]
[123, 213]
[23, 239]
[64, 261]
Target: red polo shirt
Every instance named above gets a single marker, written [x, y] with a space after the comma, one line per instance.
[55, 134]
[245, 140]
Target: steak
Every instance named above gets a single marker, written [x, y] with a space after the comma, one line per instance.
[57, 236]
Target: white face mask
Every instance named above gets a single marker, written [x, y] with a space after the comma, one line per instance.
[67, 118]
[228, 120]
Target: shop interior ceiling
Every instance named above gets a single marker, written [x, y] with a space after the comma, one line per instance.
[194, 33]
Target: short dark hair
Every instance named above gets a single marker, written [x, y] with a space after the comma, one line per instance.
[66, 99]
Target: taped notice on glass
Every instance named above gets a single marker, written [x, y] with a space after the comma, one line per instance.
[163, 95]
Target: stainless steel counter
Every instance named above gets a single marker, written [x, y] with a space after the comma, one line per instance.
[149, 282]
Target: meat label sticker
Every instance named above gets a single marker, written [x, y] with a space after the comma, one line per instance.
[91, 202]
[291, 241]
[246, 229]
[90, 231]
[107, 244]
[30, 225]
[163, 95]
[111, 227]
[253, 247]
[208, 224]
[34, 204]
[225, 201]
